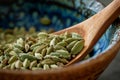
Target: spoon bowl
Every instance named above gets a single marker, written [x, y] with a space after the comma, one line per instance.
[93, 28]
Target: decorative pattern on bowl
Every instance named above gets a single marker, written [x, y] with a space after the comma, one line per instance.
[62, 14]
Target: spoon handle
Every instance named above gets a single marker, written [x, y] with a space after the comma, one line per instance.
[99, 23]
[95, 26]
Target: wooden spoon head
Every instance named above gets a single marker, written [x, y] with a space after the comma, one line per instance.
[93, 28]
[80, 29]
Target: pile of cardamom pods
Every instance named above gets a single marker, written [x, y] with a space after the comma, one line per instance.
[30, 50]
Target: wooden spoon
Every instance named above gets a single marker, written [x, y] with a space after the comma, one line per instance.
[93, 28]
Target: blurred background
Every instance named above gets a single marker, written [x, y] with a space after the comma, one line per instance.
[113, 70]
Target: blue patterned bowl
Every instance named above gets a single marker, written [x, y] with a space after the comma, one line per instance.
[60, 14]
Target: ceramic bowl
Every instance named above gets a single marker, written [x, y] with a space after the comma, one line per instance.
[62, 14]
